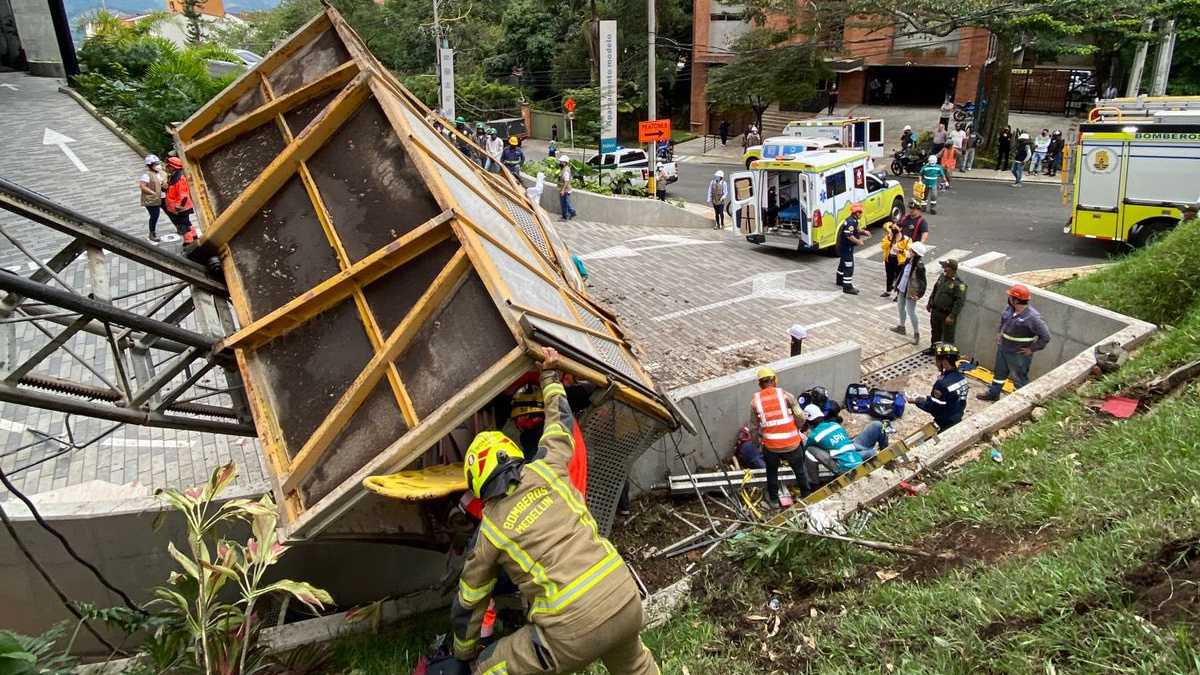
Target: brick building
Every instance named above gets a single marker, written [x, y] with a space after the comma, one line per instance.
[923, 69]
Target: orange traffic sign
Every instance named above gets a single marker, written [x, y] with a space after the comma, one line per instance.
[569, 104]
[654, 130]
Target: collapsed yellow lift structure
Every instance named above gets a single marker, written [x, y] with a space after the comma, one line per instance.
[387, 289]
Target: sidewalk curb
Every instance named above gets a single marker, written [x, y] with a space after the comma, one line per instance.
[103, 119]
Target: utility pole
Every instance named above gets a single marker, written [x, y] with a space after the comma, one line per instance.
[1139, 62]
[1162, 63]
[652, 93]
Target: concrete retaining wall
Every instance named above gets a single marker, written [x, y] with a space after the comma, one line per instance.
[1074, 326]
[722, 405]
[119, 538]
[621, 210]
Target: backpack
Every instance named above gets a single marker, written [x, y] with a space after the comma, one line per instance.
[887, 405]
[858, 398]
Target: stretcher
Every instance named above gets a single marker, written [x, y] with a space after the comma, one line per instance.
[978, 372]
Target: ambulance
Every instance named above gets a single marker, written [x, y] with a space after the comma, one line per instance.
[777, 146]
[796, 202]
[1132, 168]
[863, 133]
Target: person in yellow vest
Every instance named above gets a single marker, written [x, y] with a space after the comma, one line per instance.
[583, 602]
[774, 412]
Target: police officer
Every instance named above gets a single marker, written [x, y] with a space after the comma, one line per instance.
[945, 302]
[948, 400]
[850, 234]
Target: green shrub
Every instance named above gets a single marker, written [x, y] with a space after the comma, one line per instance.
[1157, 283]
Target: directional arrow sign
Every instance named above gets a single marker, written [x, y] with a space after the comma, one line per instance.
[11, 87]
[52, 137]
[666, 241]
[654, 130]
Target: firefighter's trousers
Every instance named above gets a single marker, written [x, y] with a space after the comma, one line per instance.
[616, 642]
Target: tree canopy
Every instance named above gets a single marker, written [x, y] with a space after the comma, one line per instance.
[768, 67]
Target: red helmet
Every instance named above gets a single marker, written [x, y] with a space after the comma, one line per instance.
[1019, 291]
[175, 162]
[856, 207]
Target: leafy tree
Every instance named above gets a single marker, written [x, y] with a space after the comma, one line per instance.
[766, 68]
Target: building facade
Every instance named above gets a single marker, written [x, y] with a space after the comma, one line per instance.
[923, 69]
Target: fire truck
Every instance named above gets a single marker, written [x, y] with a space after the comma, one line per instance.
[1133, 167]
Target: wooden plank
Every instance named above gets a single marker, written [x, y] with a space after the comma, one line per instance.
[283, 167]
[442, 288]
[222, 102]
[412, 445]
[275, 106]
[333, 290]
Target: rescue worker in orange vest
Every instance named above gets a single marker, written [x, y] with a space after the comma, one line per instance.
[774, 412]
[583, 603]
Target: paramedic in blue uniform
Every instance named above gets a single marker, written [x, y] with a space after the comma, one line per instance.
[850, 234]
[948, 400]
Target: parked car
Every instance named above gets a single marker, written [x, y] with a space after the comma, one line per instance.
[634, 162]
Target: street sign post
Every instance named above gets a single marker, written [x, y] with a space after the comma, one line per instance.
[653, 131]
[569, 104]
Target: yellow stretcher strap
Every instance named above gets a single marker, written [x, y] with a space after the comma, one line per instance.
[985, 376]
[419, 484]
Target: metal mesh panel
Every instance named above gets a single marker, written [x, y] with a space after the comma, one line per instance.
[525, 219]
[616, 435]
[608, 351]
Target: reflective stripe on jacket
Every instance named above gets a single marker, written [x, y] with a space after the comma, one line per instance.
[543, 536]
[776, 421]
[1027, 329]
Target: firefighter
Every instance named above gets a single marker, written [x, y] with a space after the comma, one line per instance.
[584, 605]
[945, 303]
[774, 414]
[1022, 332]
[850, 234]
[948, 400]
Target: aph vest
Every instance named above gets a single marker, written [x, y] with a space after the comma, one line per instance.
[778, 425]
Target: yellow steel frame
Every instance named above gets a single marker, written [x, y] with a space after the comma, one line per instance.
[356, 82]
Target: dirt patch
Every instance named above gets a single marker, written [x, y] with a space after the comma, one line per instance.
[1167, 589]
[971, 543]
[649, 528]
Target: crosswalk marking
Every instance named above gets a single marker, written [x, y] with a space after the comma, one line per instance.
[869, 251]
[822, 324]
[956, 253]
[736, 345]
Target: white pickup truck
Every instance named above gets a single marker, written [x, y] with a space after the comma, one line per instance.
[632, 161]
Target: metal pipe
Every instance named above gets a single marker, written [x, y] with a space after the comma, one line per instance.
[101, 310]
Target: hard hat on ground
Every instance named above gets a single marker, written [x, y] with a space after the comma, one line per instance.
[488, 453]
[765, 373]
[175, 162]
[1019, 292]
[512, 140]
[918, 248]
[812, 413]
[932, 159]
[151, 160]
[856, 207]
[945, 350]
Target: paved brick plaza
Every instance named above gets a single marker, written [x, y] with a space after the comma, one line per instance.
[107, 191]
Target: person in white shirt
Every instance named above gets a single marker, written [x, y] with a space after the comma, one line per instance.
[1040, 147]
[153, 188]
[495, 146]
[717, 195]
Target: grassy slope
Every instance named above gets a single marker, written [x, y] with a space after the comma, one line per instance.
[1052, 536]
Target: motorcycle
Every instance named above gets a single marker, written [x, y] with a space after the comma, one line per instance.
[964, 111]
[905, 163]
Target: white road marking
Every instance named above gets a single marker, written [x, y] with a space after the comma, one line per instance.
[52, 137]
[956, 253]
[822, 324]
[880, 308]
[141, 443]
[736, 345]
[14, 427]
[766, 286]
[869, 251]
[11, 87]
[622, 251]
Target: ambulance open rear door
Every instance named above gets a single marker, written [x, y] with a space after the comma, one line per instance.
[745, 212]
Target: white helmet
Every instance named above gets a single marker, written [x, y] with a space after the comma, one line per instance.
[918, 248]
[812, 413]
[719, 174]
[932, 159]
[152, 160]
[1023, 137]
[908, 127]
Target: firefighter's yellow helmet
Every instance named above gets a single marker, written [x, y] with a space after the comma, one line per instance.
[527, 401]
[488, 452]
